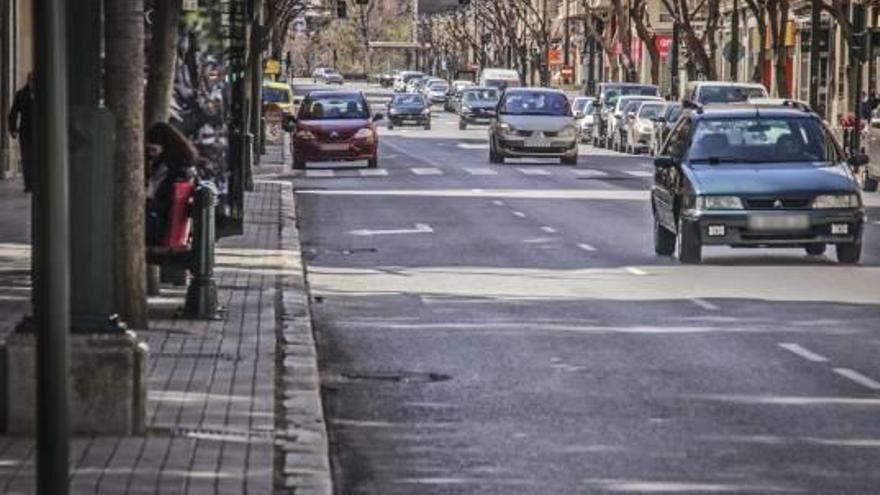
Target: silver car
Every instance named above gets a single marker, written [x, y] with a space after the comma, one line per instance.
[533, 122]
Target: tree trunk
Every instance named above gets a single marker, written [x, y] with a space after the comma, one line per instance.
[163, 57]
[781, 51]
[124, 65]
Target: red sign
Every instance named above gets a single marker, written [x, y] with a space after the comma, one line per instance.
[566, 71]
[554, 57]
[663, 42]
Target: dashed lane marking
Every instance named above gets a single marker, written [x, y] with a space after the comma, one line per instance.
[586, 247]
[590, 173]
[802, 352]
[704, 304]
[373, 172]
[480, 171]
[636, 271]
[426, 171]
[473, 146]
[519, 214]
[319, 173]
[859, 378]
[639, 173]
[498, 202]
[533, 171]
[548, 229]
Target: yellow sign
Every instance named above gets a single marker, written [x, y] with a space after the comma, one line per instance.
[790, 36]
[273, 67]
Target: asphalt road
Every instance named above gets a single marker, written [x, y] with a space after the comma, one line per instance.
[507, 329]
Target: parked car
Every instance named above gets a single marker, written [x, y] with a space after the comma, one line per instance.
[640, 127]
[714, 92]
[436, 91]
[744, 176]
[403, 79]
[533, 122]
[318, 74]
[619, 117]
[477, 106]
[327, 76]
[663, 124]
[582, 107]
[410, 108]
[334, 126]
[606, 99]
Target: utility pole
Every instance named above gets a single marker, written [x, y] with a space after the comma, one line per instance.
[673, 59]
[734, 43]
[52, 287]
[857, 55]
[567, 48]
[815, 22]
[256, 73]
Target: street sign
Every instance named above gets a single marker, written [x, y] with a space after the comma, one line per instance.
[566, 71]
[554, 57]
[663, 42]
[273, 67]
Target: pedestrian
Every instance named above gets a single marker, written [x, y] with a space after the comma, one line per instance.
[21, 127]
[171, 158]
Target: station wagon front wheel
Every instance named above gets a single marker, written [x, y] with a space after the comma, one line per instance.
[690, 246]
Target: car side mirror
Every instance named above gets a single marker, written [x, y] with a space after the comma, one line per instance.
[660, 120]
[289, 123]
[377, 117]
[579, 115]
[859, 159]
[663, 162]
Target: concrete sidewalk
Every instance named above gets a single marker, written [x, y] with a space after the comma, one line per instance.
[233, 404]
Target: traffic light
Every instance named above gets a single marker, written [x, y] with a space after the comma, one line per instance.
[341, 9]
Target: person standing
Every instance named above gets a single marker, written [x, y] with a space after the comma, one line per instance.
[21, 127]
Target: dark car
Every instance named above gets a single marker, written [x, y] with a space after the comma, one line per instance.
[664, 124]
[533, 122]
[409, 108]
[334, 126]
[606, 100]
[744, 176]
[477, 106]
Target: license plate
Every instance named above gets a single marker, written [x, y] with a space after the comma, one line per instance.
[779, 222]
[334, 147]
[538, 143]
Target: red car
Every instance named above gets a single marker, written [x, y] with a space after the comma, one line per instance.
[334, 126]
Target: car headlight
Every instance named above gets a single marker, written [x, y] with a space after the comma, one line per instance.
[364, 133]
[305, 135]
[505, 128]
[393, 111]
[828, 201]
[567, 132]
[719, 203]
[426, 111]
[646, 129]
[465, 109]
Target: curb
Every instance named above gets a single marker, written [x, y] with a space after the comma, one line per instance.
[301, 448]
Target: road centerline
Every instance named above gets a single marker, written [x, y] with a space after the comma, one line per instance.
[803, 352]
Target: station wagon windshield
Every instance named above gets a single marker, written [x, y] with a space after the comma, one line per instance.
[335, 107]
[755, 141]
[536, 103]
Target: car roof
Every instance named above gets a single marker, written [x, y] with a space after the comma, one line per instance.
[624, 84]
[275, 85]
[747, 110]
[534, 90]
[727, 83]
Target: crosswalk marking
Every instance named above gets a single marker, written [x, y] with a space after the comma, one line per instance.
[480, 171]
[588, 173]
[533, 171]
[319, 173]
[373, 172]
[639, 173]
[426, 171]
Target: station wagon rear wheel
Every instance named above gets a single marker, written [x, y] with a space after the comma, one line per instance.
[849, 253]
[815, 249]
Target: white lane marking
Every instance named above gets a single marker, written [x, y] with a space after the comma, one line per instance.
[636, 271]
[586, 247]
[319, 173]
[420, 228]
[473, 146]
[426, 171]
[373, 172]
[533, 171]
[876, 222]
[639, 173]
[590, 173]
[802, 352]
[498, 202]
[480, 171]
[704, 304]
[548, 229]
[519, 214]
[858, 378]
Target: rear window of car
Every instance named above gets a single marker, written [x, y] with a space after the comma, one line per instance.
[472, 95]
[650, 110]
[535, 103]
[761, 140]
[334, 107]
[729, 94]
[408, 99]
[612, 93]
[276, 95]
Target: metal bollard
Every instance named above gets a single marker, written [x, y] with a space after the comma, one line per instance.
[201, 295]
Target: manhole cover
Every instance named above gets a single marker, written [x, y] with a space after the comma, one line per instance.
[394, 376]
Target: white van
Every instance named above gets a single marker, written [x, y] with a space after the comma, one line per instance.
[499, 78]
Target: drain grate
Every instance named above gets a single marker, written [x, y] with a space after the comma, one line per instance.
[396, 377]
[221, 356]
